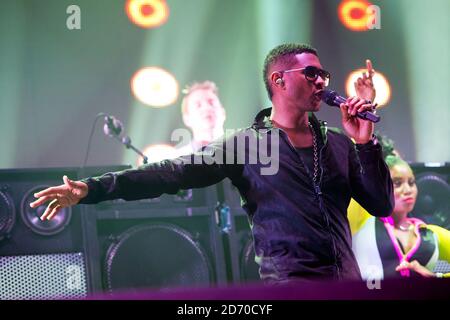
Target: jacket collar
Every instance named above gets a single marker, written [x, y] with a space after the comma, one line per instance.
[262, 121]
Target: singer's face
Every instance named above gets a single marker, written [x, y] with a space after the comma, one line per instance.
[300, 91]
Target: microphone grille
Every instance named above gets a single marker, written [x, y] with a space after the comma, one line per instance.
[328, 97]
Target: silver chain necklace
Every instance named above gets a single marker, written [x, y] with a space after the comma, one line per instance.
[315, 155]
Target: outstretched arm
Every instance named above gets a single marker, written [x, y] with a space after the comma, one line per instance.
[154, 179]
[197, 170]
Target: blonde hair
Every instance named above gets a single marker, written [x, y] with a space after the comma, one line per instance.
[205, 85]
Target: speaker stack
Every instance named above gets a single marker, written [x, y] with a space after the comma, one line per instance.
[38, 259]
[195, 238]
[162, 243]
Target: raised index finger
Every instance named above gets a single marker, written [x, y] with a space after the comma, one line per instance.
[369, 68]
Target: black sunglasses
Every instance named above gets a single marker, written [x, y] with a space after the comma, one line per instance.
[311, 73]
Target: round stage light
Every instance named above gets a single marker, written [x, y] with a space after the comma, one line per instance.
[147, 13]
[353, 14]
[155, 87]
[158, 152]
[382, 86]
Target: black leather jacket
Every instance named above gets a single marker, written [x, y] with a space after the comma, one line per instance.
[300, 231]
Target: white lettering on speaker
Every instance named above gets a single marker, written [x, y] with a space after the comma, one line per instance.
[73, 281]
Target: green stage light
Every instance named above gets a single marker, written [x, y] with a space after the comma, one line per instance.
[426, 31]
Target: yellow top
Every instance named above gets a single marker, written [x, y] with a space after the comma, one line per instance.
[357, 217]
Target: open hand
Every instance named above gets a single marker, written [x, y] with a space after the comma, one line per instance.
[65, 195]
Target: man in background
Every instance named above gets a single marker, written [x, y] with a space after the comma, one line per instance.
[203, 113]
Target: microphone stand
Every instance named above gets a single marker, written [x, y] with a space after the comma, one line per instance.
[111, 132]
[126, 141]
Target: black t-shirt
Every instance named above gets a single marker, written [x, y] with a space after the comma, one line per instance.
[307, 155]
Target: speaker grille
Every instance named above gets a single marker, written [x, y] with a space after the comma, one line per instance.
[432, 204]
[31, 217]
[157, 255]
[36, 277]
[442, 266]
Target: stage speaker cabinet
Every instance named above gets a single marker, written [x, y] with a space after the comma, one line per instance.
[239, 239]
[38, 259]
[433, 200]
[157, 244]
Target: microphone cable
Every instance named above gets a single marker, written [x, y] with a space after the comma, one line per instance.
[101, 114]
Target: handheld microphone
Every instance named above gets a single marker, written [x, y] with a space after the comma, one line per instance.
[333, 99]
[113, 127]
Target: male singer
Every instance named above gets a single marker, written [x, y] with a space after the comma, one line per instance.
[298, 212]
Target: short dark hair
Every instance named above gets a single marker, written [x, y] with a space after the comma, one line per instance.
[284, 53]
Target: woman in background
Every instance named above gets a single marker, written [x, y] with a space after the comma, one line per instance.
[397, 246]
